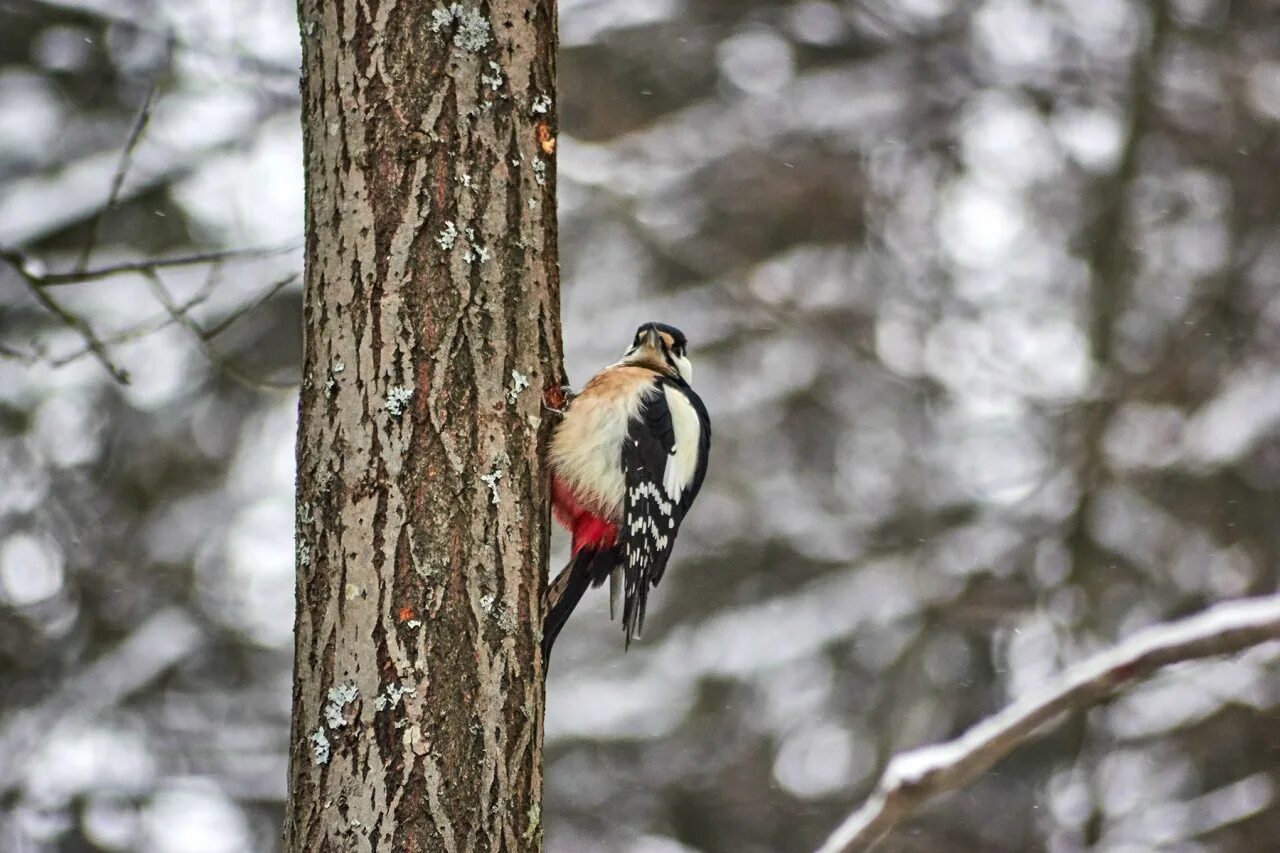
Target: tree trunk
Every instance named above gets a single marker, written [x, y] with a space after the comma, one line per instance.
[432, 334]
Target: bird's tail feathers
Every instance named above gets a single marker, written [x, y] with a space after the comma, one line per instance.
[615, 591]
[633, 608]
[588, 567]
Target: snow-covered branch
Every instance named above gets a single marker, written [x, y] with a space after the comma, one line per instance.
[914, 777]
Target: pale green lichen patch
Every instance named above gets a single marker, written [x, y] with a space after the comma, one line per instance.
[343, 694]
[331, 381]
[391, 696]
[339, 698]
[493, 79]
[471, 30]
[398, 397]
[491, 481]
[535, 820]
[519, 382]
[447, 236]
[319, 746]
[541, 104]
[442, 17]
[474, 253]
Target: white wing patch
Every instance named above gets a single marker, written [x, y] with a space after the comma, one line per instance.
[683, 461]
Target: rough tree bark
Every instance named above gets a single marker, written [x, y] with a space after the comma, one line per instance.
[432, 334]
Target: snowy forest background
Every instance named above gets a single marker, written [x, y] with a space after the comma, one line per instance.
[983, 299]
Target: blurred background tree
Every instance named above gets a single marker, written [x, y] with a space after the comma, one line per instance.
[984, 304]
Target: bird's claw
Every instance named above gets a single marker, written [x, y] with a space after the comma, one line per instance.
[557, 399]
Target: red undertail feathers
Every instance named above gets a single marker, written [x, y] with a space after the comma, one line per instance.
[588, 528]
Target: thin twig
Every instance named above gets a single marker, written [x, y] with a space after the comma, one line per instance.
[55, 279]
[144, 328]
[912, 778]
[37, 280]
[10, 354]
[31, 277]
[202, 339]
[117, 179]
[250, 306]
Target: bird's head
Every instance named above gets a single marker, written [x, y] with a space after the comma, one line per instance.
[662, 348]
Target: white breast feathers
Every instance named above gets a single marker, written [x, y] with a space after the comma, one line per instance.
[586, 448]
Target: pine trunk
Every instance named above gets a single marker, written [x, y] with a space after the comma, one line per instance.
[432, 335]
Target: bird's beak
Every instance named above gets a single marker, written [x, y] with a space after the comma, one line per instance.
[652, 338]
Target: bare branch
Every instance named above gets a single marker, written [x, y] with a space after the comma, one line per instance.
[202, 338]
[31, 275]
[37, 280]
[10, 354]
[145, 327]
[54, 279]
[250, 306]
[117, 179]
[912, 778]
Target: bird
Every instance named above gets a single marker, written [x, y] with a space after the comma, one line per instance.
[627, 460]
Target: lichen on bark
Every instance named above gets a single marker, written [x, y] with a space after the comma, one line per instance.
[432, 280]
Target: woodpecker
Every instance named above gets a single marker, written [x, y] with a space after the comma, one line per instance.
[627, 461]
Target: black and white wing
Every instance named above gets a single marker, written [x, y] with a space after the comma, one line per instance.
[664, 460]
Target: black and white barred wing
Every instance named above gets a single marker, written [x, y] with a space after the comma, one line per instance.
[664, 460]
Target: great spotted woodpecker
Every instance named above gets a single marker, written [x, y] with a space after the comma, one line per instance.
[626, 463]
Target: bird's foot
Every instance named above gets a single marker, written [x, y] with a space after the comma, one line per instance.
[557, 399]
